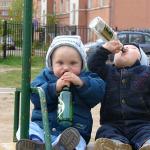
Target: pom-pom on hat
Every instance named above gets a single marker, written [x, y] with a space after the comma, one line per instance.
[66, 40]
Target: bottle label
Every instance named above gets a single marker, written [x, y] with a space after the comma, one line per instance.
[61, 108]
[107, 33]
[65, 107]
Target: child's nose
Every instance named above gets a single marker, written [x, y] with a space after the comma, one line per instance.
[66, 67]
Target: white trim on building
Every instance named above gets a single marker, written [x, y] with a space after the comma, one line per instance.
[74, 12]
[43, 12]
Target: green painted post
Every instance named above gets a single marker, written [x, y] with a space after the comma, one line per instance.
[16, 113]
[26, 69]
[46, 125]
[4, 38]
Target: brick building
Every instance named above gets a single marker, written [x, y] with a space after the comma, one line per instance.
[120, 14]
[79, 12]
[37, 9]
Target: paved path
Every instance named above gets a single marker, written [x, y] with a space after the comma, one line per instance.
[7, 90]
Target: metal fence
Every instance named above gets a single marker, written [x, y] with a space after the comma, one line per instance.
[11, 37]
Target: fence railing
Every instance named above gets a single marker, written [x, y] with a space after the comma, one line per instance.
[11, 37]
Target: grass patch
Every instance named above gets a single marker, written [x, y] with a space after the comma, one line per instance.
[17, 62]
[10, 79]
[13, 78]
[11, 70]
[11, 62]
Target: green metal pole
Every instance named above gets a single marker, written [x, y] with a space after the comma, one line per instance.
[4, 38]
[46, 125]
[16, 113]
[26, 69]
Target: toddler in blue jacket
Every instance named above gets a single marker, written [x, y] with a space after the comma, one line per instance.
[65, 66]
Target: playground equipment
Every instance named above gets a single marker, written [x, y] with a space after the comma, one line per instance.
[41, 94]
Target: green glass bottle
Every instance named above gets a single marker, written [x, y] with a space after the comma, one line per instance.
[65, 107]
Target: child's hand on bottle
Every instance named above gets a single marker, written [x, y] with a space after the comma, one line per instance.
[72, 78]
[61, 83]
[113, 46]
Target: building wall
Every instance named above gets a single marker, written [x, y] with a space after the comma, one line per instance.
[126, 14]
[97, 9]
[50, 6]
[102, 12]
[61, 9]
[82, 19]
[120, 14]
[37, 10]
[63, 19]
[81, 12]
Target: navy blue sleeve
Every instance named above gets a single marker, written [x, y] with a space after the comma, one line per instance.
[93, 90]
[97, 62]
[48, 84]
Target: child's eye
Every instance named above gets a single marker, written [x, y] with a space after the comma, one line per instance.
[60, 62]
[73, 63]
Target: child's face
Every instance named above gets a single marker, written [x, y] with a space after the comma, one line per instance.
[128, 58]
[66, 59]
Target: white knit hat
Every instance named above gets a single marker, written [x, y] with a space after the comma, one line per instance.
[68, 40]
[144, 60]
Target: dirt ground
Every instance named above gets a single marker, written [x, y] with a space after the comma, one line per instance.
[6, 117]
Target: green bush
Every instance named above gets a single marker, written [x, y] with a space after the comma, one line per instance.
[37, 45]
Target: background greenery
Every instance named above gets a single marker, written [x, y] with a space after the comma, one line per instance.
[11, 70]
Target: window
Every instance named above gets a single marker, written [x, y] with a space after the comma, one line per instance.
[43, 17]
[89, 3]
[4, 4]
[123, 38]
[54, 7]
[147, 39]
[61, 6]
[136, 38]
[74, 15]
[104, 3]
[67, 5]
[4, 13]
